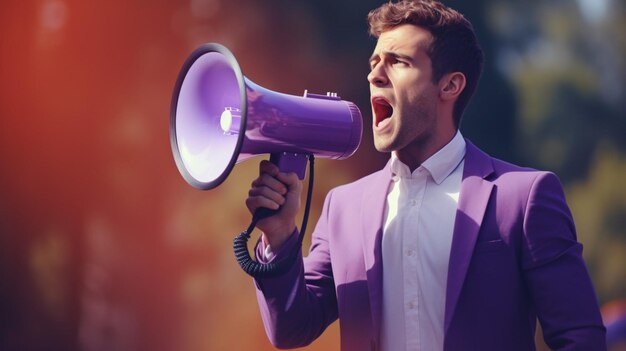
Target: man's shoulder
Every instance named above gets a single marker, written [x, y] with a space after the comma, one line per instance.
[498, 167]
[506, 175]
[513, 179]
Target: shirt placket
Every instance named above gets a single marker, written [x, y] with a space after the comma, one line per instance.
[413, 194]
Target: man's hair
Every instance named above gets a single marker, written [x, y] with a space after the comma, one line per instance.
[454, 47]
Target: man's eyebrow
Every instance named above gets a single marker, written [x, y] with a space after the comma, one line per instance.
[391, 54]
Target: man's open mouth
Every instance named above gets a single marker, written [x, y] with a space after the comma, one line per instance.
[382, 109]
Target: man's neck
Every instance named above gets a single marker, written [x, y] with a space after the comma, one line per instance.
[414, 154]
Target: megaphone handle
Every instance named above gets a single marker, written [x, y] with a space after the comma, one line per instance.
[290, 162]
[240, 246]
[286, 162]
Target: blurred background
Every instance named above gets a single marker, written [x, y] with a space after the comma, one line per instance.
[103, 246]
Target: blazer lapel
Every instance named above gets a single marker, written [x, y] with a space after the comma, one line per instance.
[473, 200]
[372, 212]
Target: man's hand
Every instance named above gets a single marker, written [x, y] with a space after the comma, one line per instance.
[273, 190]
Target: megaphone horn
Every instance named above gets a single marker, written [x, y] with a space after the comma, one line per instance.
[219, 118]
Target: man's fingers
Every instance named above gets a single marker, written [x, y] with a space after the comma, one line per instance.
[267, 167]
[266, 180]
[267, 193]
[254, 204]
[275, 190]
[291, 180]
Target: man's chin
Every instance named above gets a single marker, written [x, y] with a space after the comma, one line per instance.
[383, 146]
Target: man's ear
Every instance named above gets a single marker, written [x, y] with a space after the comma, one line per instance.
[451, 85]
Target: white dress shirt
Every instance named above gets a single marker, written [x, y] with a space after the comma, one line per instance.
[417, 237]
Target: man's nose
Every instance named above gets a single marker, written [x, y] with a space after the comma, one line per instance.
[377, 76]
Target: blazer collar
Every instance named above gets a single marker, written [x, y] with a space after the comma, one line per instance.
[473, 200]
[372, 212]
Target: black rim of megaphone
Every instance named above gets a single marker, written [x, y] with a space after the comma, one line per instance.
[200, 51]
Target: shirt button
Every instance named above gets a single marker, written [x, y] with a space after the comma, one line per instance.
[412, 202]
[410, 253]
[411, 305]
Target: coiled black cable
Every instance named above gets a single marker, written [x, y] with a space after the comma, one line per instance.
[274, 269]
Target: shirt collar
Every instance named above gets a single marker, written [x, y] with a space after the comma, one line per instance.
[439, 165]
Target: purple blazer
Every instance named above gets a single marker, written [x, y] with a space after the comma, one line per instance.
[514, 258]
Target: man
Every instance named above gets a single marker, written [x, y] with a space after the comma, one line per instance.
[445, 248]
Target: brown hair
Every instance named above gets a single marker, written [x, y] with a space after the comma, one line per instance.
[454, 47]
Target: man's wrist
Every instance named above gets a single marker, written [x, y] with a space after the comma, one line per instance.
[276, 240]
[268, 253]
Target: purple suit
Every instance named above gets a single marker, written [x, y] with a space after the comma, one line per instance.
[514, 258]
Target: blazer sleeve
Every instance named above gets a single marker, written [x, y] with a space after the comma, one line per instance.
[297, 306]
[555, 272]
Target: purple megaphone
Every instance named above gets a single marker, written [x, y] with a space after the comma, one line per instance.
[220, 118]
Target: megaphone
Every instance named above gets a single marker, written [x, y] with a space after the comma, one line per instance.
[219, 118]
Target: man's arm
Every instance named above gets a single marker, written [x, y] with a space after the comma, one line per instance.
[556, 274]
[297, 306]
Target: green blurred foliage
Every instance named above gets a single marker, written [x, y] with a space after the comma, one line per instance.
[567, 64]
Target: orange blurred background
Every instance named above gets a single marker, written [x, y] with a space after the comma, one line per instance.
[103, 245]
